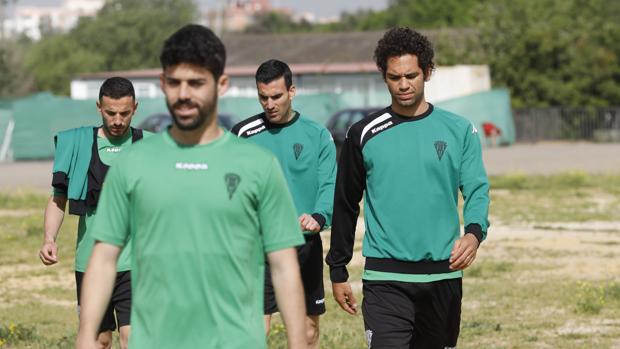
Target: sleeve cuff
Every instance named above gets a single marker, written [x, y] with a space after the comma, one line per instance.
[476, 230]
[319, 219]
[60, 182]
[338, 274]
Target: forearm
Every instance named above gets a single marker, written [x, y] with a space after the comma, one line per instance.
[324, 204]
[97, 287]
[289, 294]
[350, 185]
[53, 217]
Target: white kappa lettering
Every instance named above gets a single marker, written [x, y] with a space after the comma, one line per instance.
[191, 166]
[381, 127]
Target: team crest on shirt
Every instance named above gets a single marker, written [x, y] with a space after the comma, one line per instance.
[232, 182]
[297, 148]
[440, 147]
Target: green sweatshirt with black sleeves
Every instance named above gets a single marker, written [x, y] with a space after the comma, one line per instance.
[411, 170]
[307, 154]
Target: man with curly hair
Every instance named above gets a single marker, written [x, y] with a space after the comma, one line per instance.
[411, 159]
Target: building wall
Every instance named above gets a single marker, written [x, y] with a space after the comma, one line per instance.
[446, 83]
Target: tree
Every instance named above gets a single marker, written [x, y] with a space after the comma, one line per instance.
[125, 34]
[553, 52]
[15, 80]
[277, 22]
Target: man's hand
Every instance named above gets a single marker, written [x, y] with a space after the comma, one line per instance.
[464, 252]
[307, 223]
[344, 296]
[49, 253]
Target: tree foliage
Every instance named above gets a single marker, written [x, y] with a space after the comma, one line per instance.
[125, 34]
[15, 80]
[553, 52]
[277, 22]
[546, 52]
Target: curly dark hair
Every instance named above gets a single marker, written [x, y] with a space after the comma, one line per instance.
[401, 41]
[197, 45]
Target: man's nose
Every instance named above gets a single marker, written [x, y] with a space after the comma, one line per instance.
[402, 84]
[183, 92]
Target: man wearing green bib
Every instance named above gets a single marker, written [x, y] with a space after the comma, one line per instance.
[307, 155]
[83, 156]
[411, 159]
[202, 208]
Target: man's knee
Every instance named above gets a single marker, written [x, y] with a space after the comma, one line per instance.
[312, 330]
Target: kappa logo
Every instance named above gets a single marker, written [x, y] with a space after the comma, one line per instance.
[440, 147]
[255, 131]
[232, 181]
[113, 149]
[191, 166]
[297, 148]
[381, 127]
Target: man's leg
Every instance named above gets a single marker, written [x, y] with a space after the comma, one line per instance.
[123, 332]
[108, 323]
[438, 314]
[121, 301]
[388, 314]
[311, 264]
[270, 305]
[312, 331]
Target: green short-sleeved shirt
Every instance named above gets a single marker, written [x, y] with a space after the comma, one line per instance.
[108, 152]
[201, 219]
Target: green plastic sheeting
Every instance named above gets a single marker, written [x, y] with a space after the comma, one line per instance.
[492, 106]
[39, 117]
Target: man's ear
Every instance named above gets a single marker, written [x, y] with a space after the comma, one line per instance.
[427, 74]
[222, 85]
[292, 91]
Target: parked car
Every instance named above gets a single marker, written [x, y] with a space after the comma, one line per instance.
[339, 123]
[160, 121]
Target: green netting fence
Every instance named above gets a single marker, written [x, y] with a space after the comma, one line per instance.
[39, 117]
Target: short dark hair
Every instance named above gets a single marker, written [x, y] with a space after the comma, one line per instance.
[197, 45]
[274, 69]
[401, 41]
[116, 88]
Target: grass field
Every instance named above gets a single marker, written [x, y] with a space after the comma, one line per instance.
[547, 277]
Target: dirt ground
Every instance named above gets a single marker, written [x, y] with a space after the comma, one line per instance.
[538, 158]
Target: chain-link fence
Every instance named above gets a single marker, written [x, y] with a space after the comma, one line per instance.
[560, 123]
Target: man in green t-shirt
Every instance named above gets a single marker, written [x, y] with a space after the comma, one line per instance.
[82, 158]
[307, 155]
[410, 161]
[202, 208]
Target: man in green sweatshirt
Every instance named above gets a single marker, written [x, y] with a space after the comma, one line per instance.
[203, 209]
[307, 154]
[83, 156]
[411, 159]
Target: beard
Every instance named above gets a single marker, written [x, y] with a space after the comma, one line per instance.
[205, 115]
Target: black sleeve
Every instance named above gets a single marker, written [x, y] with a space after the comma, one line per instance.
[350, 185]
[319, 218]
[235, 129]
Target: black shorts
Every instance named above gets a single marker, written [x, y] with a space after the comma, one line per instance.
[406, 315]
[310, 257]
[120, 303]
